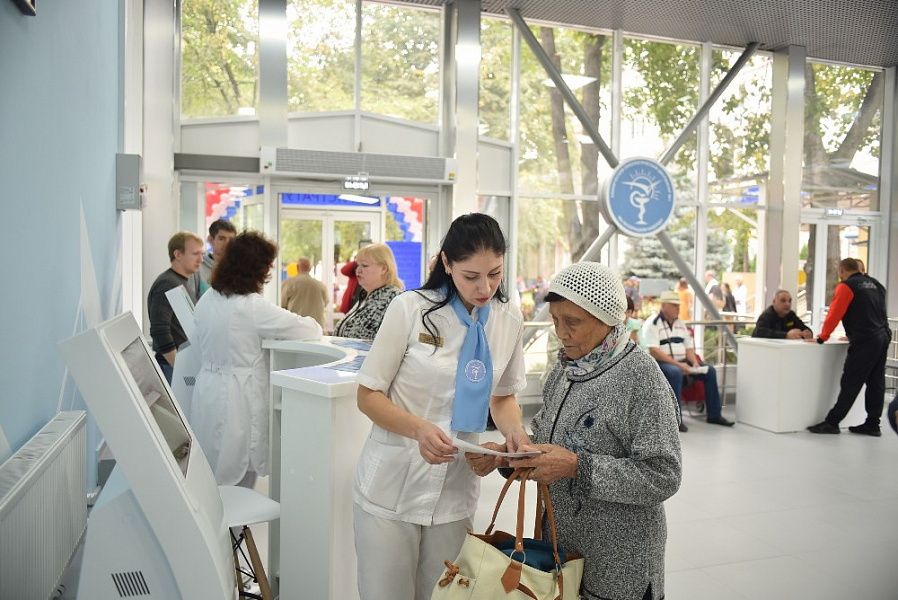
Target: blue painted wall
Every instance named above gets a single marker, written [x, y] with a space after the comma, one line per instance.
[59, 132]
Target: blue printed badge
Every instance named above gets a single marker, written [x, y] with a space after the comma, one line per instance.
[475, 371]
[639, 197]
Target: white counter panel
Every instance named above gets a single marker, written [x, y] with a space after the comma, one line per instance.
[317, 434]
[787, 385]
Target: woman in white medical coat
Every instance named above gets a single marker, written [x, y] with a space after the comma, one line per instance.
[229, 411]
[444, 356]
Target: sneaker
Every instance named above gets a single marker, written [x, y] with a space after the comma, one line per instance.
[823, 427]
[683, 428]
[866, 429]
[720, 421]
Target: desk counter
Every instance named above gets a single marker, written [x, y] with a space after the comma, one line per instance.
[787, 385]
[317, 434]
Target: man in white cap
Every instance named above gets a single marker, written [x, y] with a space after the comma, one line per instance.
[670, 342]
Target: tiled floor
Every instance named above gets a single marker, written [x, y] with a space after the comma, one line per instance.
[765, 516]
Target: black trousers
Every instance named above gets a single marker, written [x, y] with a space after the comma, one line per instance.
[865, 364]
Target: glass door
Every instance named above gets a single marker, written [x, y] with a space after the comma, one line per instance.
[329, 239]
[823, 244]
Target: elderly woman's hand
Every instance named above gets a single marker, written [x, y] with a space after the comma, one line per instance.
[553, 464]
[484, 464]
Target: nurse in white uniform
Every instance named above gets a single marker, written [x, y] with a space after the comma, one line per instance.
[229, 411]
[444, 357]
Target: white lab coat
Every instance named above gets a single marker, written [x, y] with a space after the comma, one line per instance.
[229, 412]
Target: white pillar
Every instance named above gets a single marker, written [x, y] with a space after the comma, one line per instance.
[467, 98]
[784, 185]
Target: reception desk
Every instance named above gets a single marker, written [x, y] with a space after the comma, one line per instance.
[786, 385]
[317, 434]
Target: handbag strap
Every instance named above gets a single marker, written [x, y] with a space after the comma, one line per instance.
[511, 579]
[511, 479]
[544, 492]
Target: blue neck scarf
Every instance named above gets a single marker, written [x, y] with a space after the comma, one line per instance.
[474, 377]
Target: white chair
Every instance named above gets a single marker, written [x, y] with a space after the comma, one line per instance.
[244, 507]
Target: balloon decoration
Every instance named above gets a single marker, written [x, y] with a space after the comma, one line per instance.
[222, 202]
[409, 214]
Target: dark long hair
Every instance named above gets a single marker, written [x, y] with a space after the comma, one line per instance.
[245, 266]
[468, 235]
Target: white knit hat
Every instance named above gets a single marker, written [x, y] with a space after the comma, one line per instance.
[593, 287]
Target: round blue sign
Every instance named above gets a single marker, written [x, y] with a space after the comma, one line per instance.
[475, 370]
[639, 197]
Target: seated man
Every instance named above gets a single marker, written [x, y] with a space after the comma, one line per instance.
[780, 321]
[670, 343]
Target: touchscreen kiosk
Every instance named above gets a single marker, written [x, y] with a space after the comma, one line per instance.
[157, 530]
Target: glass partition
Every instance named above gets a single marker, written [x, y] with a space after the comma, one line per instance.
[495, 79]
[320, 55]
[401, 61]
[219, 58]
[843, 122]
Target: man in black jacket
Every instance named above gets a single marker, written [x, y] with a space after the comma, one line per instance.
[780, 321]
[185, 251]
[860, 303]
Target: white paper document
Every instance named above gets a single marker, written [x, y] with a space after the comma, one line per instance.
[700, 370]
[464, 446]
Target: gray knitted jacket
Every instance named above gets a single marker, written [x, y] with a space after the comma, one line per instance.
[621, 422]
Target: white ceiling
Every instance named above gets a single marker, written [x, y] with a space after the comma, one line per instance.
[861, 32]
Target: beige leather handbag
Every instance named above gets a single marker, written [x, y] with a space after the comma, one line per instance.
[482, 571]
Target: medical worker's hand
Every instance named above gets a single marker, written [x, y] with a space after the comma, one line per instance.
[434, 445]
[484, 464]
[517, 438]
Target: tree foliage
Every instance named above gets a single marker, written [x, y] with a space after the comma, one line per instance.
[495, 78]
[321, 55]
[400, 61]
[219, 60]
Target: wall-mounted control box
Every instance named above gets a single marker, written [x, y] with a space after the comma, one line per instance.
[128, 191]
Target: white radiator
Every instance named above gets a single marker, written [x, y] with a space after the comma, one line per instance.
[43, 507]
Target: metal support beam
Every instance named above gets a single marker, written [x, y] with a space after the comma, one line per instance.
[595, 249]
[562, 86]
[686, 271]
[693, 123]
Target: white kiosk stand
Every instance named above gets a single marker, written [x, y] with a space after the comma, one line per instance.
[159, 528]
[317, 434]
[190, 357]
[787, 385]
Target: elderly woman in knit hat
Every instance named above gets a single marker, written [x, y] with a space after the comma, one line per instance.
[608, 432]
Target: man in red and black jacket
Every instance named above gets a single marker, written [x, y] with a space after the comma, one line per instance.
[860, 303]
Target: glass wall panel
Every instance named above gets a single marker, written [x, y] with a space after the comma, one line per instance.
[544, 244]
[843, 120]
[804, 303]
[400, 61]
[647, 259]
[739, 153]
[737, 171]
[320, 55]
[219, 58]
[556, 157]
[660, 94]
[495, 78]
